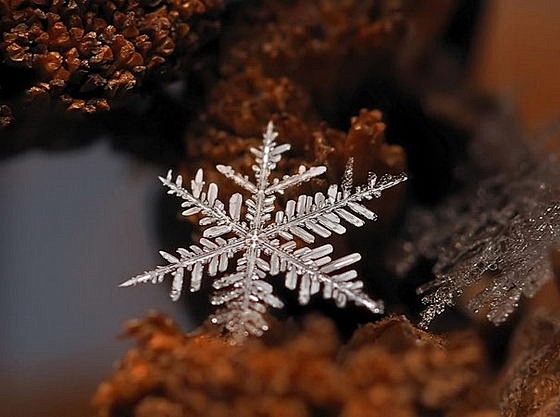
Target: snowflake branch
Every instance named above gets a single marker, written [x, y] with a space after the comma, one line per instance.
[334, 286]
[197, 256]
[196, 202]
[308, 209]
[267, 156]
[241, 180]
[303, 175]
[246, 296]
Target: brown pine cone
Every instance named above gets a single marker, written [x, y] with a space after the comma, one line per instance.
[386, 369]
[87, 53]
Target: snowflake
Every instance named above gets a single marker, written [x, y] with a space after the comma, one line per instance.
[262, 246]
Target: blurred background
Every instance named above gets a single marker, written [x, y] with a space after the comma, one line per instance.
[74, 224]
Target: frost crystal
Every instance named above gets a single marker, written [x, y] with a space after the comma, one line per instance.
[507, 241]
[264, 246]
[498, 233]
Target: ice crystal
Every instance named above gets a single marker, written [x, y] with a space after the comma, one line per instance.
[264, 246]
[507, 240]
[499, 232]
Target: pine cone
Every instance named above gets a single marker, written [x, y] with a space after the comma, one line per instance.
[386, 369]
[87, 53]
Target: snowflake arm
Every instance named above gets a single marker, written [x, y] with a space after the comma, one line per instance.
[241, 180]
[321, 215]
[267, 156]
[245, 296]
[303, 175]
[313, 269]
[205, 200]
[215, 254]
